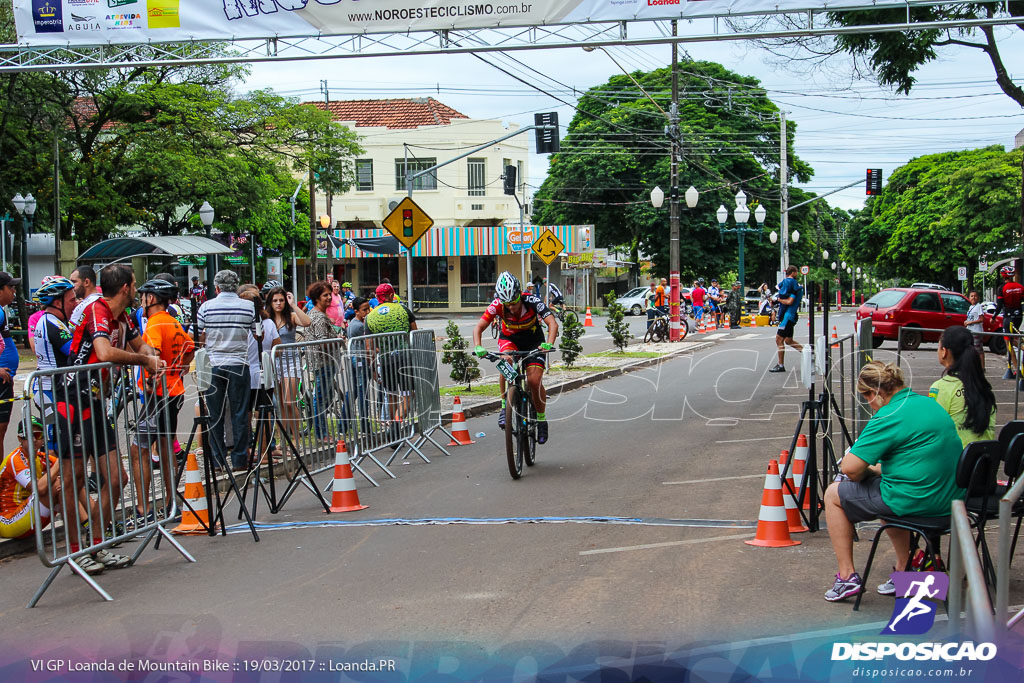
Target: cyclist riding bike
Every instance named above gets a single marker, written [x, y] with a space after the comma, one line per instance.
[1009, 301]
[520, 315]
[555, 297]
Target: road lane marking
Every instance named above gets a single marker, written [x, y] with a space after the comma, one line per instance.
[751, 335]
[703, 481]
[666, 544]
[760, 438]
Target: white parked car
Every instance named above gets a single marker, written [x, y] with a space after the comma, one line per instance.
[633, 300]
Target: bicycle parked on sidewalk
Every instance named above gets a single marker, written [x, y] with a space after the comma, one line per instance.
[658, 332]
[520, 415]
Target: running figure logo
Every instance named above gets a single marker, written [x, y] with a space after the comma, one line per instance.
[914, 612]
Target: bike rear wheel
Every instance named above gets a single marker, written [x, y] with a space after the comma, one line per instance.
[494, 331]
[512, 429]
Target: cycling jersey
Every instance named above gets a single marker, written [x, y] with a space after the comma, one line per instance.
[659, 297]
[554, 293]
[79, 312]
[53, 346]
[713, 294]
[16, 494]
[98, 321]
[1009, 299]
[166, 335]
[522, 328]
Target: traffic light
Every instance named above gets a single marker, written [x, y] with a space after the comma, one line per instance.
[510, 180]
[546, 139]
[407, 222]
[873, 185]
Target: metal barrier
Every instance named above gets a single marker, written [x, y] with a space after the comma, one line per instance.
[313, 390]
[930, 330]
[843, 367]
[1006, 505]
[964, 562]
[427, 391]
[383, 402]
[98, 431]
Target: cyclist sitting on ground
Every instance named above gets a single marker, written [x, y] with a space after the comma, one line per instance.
[520, 316]
[18, 517]
[1009, 299]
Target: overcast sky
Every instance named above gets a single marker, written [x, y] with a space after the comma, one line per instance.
[843, 127]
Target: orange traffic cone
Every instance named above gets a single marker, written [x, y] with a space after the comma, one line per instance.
[800, 468]
[725, 324]
[772, 525]
[460, 433]
[194, 519]
[753, 320]
[712, 325]
[835, 338]
[344, 497]
[796, 524]
[588, 321]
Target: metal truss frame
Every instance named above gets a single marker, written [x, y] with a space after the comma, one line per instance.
[19, 58]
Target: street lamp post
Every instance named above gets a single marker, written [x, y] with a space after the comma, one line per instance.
[657, 199]
[26, 206]
[839, 286]
[855, 286]
[206, 216]
[742, 215]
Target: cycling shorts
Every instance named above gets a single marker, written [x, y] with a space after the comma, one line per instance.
[1013, 319]
[512, 344]
[21, 523]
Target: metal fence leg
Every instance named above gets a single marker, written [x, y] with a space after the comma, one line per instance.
[46, 584]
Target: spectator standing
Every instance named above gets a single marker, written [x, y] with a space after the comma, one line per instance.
[697, 295]
[650, 299]
[9, 358]
[347, 295]
[86, 289]
[197, 297]
[287, 319]
[357, 328]
[386, 294]
[734, 304]
[963, 391]
[320, 362]
[790, 294]
[715, 300]
[975, 323]
[225, 323]
[902, 464]
[336, 311]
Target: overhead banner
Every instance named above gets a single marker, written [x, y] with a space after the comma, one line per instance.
[100, 22]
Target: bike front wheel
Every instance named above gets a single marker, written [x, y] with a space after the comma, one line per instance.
[528, 437]
[512, 430]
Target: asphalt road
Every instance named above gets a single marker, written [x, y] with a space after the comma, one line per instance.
[687, 441]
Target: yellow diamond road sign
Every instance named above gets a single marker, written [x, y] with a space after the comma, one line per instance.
[408, 222]
[548, 246]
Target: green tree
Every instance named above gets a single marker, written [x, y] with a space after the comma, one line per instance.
[465, 366]
[941, 211]
[617, 327]
[569, 344]
[615, 153]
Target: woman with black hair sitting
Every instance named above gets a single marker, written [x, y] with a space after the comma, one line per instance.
[963, 391]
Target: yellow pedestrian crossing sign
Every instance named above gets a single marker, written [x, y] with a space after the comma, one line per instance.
[548, 246]
[408, 222]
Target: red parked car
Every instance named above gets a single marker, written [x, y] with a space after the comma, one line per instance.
[898, 307]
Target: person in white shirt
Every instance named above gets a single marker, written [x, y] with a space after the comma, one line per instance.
[975, 322]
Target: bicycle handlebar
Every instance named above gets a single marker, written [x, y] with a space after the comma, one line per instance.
[495, 357]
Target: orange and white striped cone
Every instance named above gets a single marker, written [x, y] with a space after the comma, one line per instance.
[460, 432]
[796, 525]
[712, 325]
[344, 497]
[753, 320]
[194, 519]
[800, 467]
[835, 338]
[772, 524]
[588, 321]
[725, 324]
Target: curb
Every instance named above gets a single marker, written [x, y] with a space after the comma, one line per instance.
[495, 403]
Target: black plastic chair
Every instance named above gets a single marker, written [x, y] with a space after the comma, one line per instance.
[981, 501]
[975, 472]
[1013, 464]
[1010, 430]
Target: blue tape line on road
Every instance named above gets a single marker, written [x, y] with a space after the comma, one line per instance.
[442, 521]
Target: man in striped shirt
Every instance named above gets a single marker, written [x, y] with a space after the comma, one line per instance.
[224, 324]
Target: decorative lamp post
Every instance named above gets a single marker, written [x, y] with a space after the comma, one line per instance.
[657, 199]
[26, 206]
[206, 216]
[742, 216]
[855, 288]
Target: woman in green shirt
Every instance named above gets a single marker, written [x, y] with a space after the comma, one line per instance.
[963, 391]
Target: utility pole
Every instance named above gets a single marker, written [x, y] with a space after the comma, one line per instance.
[56, 203]
[784, 192]
[313, 223]
[328, 198]
[673, 132]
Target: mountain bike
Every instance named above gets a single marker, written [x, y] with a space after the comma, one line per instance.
[520, 415]
[659, 329]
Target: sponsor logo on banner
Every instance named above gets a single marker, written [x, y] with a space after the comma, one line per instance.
[163, 13]
[128, 20]
[82, 3]
[47, 16]
[83, 23]
[120, 3]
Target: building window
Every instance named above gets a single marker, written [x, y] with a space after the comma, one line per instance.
[476, 207]
[364, 175]
[479, 274]
[424, 182]
[374, 271]
[521, 178]
[476, 171]
[430, 281]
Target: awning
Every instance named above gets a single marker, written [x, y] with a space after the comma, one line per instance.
[121, 248]
[374, 245]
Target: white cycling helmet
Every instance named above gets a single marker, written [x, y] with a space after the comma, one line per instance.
[507, 288]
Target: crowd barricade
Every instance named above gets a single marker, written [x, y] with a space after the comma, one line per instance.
[931, 335]
[427, 392]
[841, 382]
[313, 403]
[99, 434]
[964, 563]
[384, 396]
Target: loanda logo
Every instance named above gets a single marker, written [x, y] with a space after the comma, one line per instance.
[914, 612]
[47, 16]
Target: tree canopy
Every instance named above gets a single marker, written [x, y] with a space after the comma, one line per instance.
[939, 212]
[616, 151]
